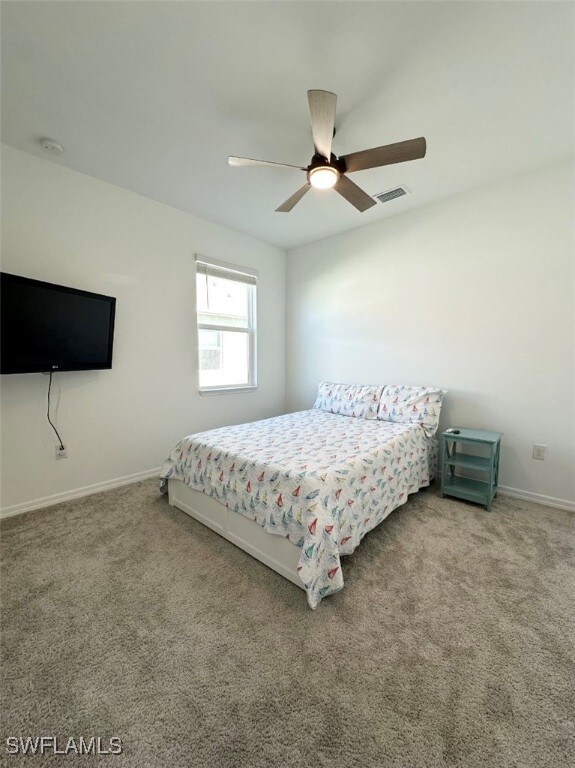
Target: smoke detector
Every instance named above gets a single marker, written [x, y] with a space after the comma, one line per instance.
[51, 147]
[391, 194]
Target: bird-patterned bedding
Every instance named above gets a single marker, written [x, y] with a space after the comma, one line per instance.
[321, 479]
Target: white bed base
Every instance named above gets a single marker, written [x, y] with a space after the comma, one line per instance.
[277, 552]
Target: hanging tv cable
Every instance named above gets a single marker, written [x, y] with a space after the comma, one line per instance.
[62, 447]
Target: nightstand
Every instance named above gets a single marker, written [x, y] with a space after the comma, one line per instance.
[460, 485]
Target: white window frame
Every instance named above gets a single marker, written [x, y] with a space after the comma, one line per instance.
[217, 268]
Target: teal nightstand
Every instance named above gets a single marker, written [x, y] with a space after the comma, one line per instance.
[487, 464]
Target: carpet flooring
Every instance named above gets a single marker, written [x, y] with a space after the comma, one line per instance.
[452, 643]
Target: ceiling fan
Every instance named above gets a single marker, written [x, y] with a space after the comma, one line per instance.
[327, 171]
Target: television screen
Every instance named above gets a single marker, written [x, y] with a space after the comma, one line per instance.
[47, 327]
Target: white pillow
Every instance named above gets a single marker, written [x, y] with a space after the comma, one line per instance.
[420, 405]
[358, 400]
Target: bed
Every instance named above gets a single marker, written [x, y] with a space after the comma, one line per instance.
[300, 491]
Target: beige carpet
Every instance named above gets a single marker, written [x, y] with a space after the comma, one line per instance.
[451, 645]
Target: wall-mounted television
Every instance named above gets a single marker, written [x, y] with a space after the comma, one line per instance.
[46, 327]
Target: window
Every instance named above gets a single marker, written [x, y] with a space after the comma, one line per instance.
[226, 306]
[210, 346]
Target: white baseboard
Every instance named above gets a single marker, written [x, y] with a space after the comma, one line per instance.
[537, 498]
[108, 485]
[77, 493]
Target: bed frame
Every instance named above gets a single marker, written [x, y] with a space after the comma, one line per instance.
[277, 552]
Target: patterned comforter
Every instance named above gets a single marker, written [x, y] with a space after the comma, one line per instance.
[321, 479]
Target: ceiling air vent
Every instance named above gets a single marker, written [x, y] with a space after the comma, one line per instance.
[391, 194]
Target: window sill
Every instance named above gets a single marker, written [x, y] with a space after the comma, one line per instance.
[227, 390]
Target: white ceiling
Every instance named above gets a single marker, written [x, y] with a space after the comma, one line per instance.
[153, 97]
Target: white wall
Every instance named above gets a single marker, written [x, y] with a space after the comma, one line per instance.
[474, 293]
[67, 228]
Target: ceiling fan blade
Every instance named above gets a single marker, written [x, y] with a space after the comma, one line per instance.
[241, 161]
[354, 194]
[322, 111]
[291, 201]
[391, 153]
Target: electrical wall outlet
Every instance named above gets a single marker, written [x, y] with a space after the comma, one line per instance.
[61, 452]
[539, 452]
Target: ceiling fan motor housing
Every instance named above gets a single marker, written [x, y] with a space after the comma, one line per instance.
[318, 161]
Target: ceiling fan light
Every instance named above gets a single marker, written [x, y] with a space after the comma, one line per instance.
[323, 177]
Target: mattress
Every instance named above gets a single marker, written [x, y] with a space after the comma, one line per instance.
[320, 479]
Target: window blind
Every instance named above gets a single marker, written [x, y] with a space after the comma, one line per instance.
[228, 273]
